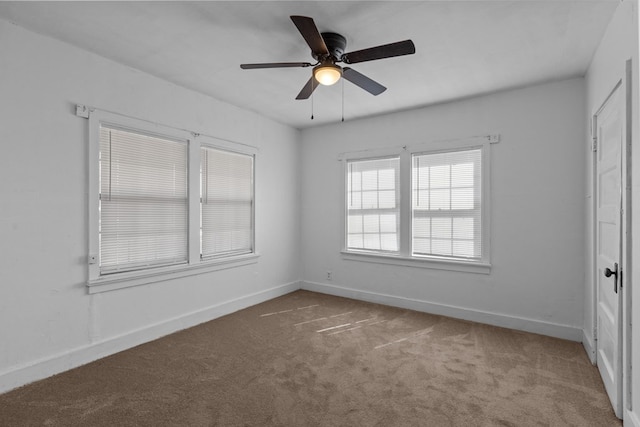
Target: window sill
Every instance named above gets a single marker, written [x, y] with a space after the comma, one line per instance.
[432, 263]
[142, 277]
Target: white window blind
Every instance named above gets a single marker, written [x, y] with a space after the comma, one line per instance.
[373, 205]
[446, 204]
[143, 200]
[226, 203]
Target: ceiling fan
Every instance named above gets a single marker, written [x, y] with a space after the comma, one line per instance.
[328, 49]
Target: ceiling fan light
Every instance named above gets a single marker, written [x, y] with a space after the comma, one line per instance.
[327, 74]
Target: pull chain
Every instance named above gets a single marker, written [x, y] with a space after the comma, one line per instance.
[312, 79]
[342, 99]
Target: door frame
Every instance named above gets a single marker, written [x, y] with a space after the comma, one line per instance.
[624, 85]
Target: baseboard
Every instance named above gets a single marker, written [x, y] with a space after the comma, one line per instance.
[631, 419]
[589, 347]
[46, 367]
[505, 321]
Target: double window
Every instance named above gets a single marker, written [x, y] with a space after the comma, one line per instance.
[427, 205]
[165, 202]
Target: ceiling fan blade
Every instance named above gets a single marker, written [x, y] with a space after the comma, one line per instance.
[310, 33]
[371, 86]
[308, 89]
[390, 50]
[274, 65]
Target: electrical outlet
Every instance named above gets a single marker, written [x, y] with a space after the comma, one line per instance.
[329, 276]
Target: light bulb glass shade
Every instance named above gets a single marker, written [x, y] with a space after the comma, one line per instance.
[327, 74]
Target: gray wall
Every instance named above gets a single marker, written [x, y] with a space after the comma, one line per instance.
[537, 221]
[48, 322]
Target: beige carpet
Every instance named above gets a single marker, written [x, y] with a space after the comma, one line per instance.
[307, 359]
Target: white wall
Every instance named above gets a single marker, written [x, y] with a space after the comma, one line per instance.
[537, 221]
[48, 322]
[619, 44]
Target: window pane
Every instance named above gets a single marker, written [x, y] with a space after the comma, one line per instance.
[463, 228]
[371, 224]
[421, 227]
[463, 248]
[422, 246]
[372, 241]
[441, 228]
[440, 199]
[355, 241]
[421, 178]
[355, 224]
[441, 247]
[356, 181]
[421, 199]
[369, 199]
[388, 223]
[440, 176]
[387, 199]
[356, 200]
[386, 179]
[462, 175]
[462, 198]
[370, 180]
[389, 242]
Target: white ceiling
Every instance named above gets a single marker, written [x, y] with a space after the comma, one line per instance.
[463, 48]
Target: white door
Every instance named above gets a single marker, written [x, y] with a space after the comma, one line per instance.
[609, 133]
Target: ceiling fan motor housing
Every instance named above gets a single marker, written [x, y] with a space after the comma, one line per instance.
[336, 44]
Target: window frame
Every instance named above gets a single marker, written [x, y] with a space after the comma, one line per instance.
[98, 282]
[404, 256]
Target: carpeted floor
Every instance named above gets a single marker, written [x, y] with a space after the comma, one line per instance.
[308, 359]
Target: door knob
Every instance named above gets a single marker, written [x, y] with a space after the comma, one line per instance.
[608, 273]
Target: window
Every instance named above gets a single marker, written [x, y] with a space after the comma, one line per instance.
[372, 205]
[165, 203]
[421, 206]
[446, 204]
[142, 202]
[226, 203]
